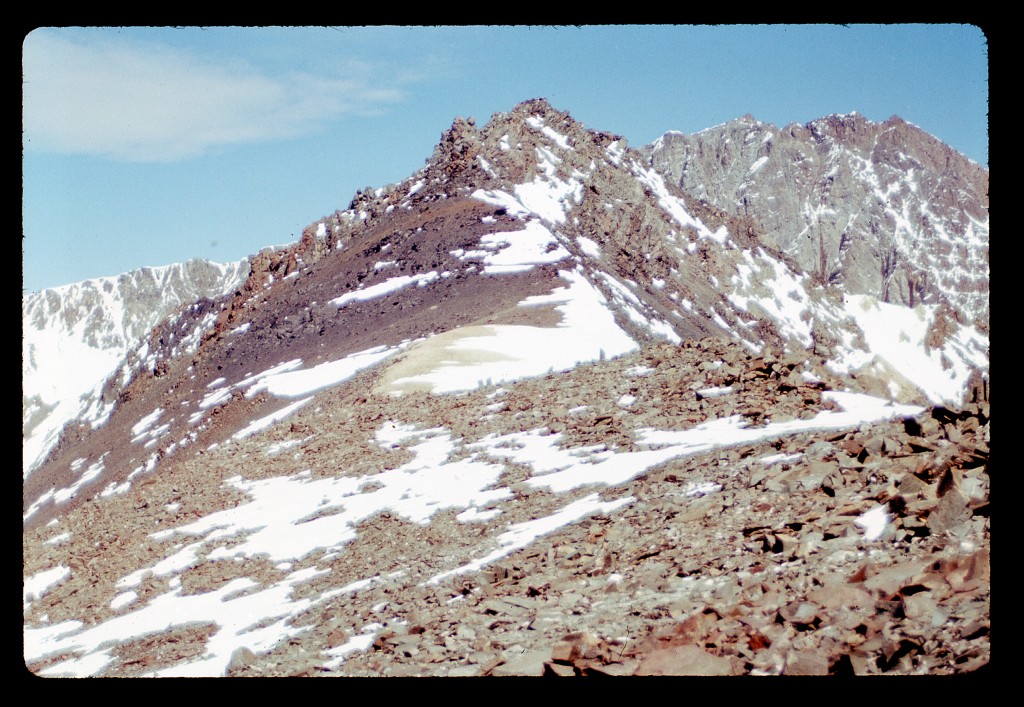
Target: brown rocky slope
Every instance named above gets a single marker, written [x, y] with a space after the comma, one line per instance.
[746, 559]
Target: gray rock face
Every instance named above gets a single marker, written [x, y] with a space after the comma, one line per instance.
[883, 208]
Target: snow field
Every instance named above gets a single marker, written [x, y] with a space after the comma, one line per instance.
[896, 334]
[505, 353]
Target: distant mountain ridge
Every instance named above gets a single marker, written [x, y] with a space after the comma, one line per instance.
[883, 208]
[75, 336]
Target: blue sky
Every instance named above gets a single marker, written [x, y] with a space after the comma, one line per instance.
[149, 146]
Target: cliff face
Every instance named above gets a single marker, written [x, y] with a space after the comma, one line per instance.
[882, 208]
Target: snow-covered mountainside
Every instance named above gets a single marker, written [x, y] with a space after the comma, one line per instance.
[76, 336]
[883, 208]
[522, 362]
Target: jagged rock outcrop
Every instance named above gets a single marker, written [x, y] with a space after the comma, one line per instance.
[882, 208]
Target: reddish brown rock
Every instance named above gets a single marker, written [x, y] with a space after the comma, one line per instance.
[684, 660]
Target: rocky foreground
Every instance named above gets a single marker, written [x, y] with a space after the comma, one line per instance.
[858, 551]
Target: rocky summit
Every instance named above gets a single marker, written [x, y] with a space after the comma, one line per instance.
[550, 406]
[883, 208]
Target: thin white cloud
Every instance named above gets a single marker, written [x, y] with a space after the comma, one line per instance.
[140, 101]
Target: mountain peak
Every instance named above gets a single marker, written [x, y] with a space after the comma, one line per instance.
[871, 206]
[842, 126]
[533, 106]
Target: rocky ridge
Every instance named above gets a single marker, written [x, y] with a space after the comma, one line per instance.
[883, 208]
[699, 271]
